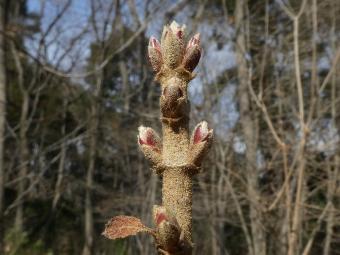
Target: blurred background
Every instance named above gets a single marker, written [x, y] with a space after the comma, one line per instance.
[75, 84]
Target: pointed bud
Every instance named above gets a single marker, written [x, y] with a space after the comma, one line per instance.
[151, 146]
[160, 217]
[155, 55]
[177, 30]
[201, 132]
[147, 136]
[172, 44]
[195, 40]
[154, 43]
[192, 53]
[159, 214]
[200, 142]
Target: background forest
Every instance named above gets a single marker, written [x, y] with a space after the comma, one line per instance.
[75, 84]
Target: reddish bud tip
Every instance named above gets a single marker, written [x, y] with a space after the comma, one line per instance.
[177, 29]
[154, 43]
[147, 136]
[195, 40]
[192, 53]
[160, 218]
[155, 55]
[201, 132]
[179, 34]
[161, 214]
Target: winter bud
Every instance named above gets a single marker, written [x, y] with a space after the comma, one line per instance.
[201, 132]
[160, 214]
[192, 53]
[201, 140]
[155, 55]
[147, 136]
[194, 41]
[173, 44]
[168, 229]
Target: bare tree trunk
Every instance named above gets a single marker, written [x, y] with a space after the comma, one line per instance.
[94, 121]
[93, 127]
[249, 133]
[23, 170]
[125, 81]
[57, 192]
[89, 180]
[2, 120]
[284, 211]
[23, 143]
[333, 172]
[331, 188]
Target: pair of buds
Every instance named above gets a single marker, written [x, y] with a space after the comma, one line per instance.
[172, 51]
[147, 136]
[200, 141]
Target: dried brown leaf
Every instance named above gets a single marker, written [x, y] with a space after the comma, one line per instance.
[123, 226]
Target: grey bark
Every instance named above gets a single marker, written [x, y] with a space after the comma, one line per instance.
[2, 120]
[57, 192]
[23, 142]
[249, 133]
[93, 139]
[23, 169]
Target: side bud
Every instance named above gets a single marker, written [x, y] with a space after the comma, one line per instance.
[155, 54]
[147, 136]
[201, 132]
[192, 53]
[160, 214]
[200, 143]
[172, 44]
[150, 144]
[168, 230]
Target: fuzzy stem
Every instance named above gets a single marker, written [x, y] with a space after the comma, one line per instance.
[175, 143]
[177, 195]
[177, 180]
[177, 175]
